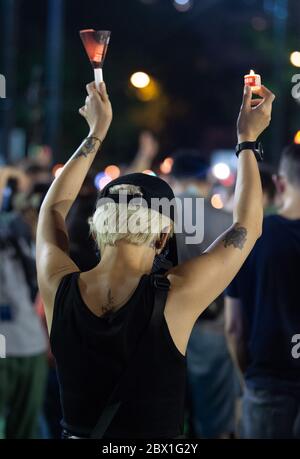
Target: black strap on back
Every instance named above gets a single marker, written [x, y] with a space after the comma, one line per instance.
[161, 287]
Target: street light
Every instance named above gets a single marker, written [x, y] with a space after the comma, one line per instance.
[140, 79]
[295, 58]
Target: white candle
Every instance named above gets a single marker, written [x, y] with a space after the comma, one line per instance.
[253, 80]
[98, 77]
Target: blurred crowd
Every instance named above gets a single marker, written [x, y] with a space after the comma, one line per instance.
[29, 393]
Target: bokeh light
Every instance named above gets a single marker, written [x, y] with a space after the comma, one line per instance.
[112, 171]
[149, 92]
[149, 172]
[297, 138]
[166, 165]
[104, 181]
[140, 79]
[97, 179]
[216, 201]
[56, 170]
[182, 5]
[295, 58]
[221, 171]
[229, 181]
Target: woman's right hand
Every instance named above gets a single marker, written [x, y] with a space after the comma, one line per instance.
[97, 110]
[255, 114]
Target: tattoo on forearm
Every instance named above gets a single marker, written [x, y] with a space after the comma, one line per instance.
[90, 146]
[237, 237]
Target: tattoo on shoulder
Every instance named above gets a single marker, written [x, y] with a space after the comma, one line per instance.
[237, 237]
[89, 147]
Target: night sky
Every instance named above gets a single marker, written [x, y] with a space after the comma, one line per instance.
[198, 59]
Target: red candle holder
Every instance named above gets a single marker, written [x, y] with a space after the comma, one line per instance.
[96, 43]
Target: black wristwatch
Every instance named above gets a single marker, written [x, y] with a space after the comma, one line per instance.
[256, 147]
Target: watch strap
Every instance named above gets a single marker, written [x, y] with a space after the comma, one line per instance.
[256, 147]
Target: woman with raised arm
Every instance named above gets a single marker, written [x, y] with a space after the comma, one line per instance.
[118, 332]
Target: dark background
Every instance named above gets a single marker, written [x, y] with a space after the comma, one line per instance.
[197, 57]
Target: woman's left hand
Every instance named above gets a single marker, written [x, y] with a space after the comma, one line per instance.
[97, 110]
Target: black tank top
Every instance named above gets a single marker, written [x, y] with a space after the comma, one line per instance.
[92, 352]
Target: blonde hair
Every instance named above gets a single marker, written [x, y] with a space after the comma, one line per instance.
[133, 223]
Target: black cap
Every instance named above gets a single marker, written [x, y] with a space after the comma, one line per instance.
[151, 187]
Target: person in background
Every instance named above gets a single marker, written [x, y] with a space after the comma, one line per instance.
[37, 173]
[12, 180]
[20, 180]
[23, 371]
[269, 189]
[51, 416]
[147, 151]
[212, 379]
[263, 316]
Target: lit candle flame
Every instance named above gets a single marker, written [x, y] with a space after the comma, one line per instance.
[252, 72]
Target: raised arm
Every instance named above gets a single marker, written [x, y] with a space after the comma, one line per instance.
[10, 172]
[197, 282]
[53, 261]
[147, 151]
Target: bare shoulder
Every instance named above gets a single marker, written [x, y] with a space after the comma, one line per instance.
[196, 283]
